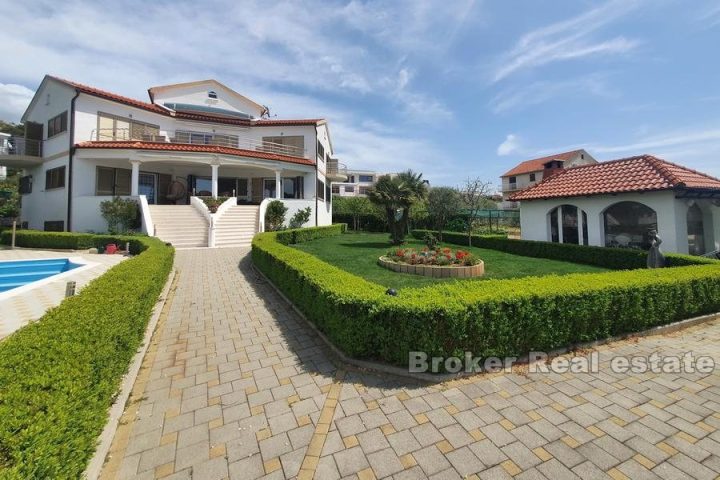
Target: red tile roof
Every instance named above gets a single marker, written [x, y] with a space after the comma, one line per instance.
[178, 147]
[96, 92]
[279, 122]
[536, 164]
[635, 174]
[200, 117]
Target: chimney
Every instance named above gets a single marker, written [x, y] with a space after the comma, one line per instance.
[552, 167]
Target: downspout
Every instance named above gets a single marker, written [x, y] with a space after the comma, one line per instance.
[71, 152]
[316, 176]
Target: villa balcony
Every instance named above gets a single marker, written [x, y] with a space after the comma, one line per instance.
[336, 171]
[186, 137]
[20, 151]
[515, 187]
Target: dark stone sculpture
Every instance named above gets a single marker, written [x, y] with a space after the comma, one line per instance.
[655, 257]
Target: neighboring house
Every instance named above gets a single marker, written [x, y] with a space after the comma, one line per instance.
[84, 145]
[531, 172]
[617, 203]
[357, 184]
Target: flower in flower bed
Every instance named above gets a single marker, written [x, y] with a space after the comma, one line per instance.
[440, 256]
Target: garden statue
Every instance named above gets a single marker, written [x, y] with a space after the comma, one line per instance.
[655, 258]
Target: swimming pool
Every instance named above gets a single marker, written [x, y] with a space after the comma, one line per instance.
[17, 273]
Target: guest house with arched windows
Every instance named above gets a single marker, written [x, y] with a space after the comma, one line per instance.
[617, 203]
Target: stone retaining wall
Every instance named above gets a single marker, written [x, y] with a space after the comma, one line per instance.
[434, 270]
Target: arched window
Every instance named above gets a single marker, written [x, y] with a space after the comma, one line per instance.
[695, 230]
[568, 224]
[627, 224]
[212, 94]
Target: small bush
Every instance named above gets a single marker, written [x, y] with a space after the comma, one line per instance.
[275, 215]
[121, 214]
[300, 218]
[300, 235]
[213, 203]
[59, 375]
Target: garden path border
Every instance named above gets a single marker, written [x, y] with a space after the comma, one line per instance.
[437, 378]
[105, 440]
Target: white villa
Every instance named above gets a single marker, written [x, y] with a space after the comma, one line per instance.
[617, 203]
[531, 172]
[191, 140]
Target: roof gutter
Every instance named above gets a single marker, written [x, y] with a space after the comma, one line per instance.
[71, 153]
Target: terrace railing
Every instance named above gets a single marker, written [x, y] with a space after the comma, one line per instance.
[195, 138]
[21, 146]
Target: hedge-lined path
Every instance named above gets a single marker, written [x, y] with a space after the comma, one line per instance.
[237, 386]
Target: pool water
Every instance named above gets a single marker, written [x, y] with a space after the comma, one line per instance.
[17, 273]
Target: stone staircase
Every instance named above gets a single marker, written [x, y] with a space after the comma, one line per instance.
[237, 226]
[181, 225]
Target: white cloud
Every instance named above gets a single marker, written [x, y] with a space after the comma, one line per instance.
[126, 47]
[510, 146]
[14, 99]
[667, 139]
[519, 98]
[568, 39]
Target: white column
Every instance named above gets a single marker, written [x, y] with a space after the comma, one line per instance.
[135, 178]
[560, 225]
[580, 226]
[278, 184]
[214, 180]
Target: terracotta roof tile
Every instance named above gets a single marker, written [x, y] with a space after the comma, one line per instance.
[635, 174]
[200, 117]
[536, 164]
[178, 147]
[289, 122]
[96, 92]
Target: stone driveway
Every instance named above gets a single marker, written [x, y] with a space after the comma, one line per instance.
[235, 385]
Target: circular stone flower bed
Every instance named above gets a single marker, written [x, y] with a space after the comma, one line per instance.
[438, 263]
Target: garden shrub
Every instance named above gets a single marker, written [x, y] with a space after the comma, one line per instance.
[612, 258]
[121, 214]
[300, 235]
[275, 215]
[59, 375]
[494, 317]
[300, 218]
[70, 241]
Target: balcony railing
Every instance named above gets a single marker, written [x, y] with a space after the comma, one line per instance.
[21, 146]
[517, 186]
[195, 138]
[336, 171]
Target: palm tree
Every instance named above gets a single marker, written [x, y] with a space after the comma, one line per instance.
[395, 195]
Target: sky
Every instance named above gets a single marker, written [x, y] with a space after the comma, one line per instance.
[453, 89]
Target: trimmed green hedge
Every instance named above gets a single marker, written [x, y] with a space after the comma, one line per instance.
[300, 235]
[69, 240]
[489, 318]
[612, 258]
[59, 375]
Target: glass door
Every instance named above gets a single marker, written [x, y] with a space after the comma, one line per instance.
[243, 190]
[148, 187]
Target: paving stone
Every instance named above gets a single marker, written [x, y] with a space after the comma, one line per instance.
[373, 440]
[351, 461]
[555, 470]
[431, 460]
[403, 442]
[384, 463]
[464, 461]
[248, 468]
[488, 453]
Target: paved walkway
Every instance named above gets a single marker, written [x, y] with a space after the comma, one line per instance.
[236, 386]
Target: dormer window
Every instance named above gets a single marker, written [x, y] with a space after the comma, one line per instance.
[212, 94]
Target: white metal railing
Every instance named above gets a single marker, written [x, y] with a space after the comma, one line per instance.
[21, 146]
[333, 167]
[194, 138]
[516, 186]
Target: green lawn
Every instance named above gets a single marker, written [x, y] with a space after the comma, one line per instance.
[358, 253]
